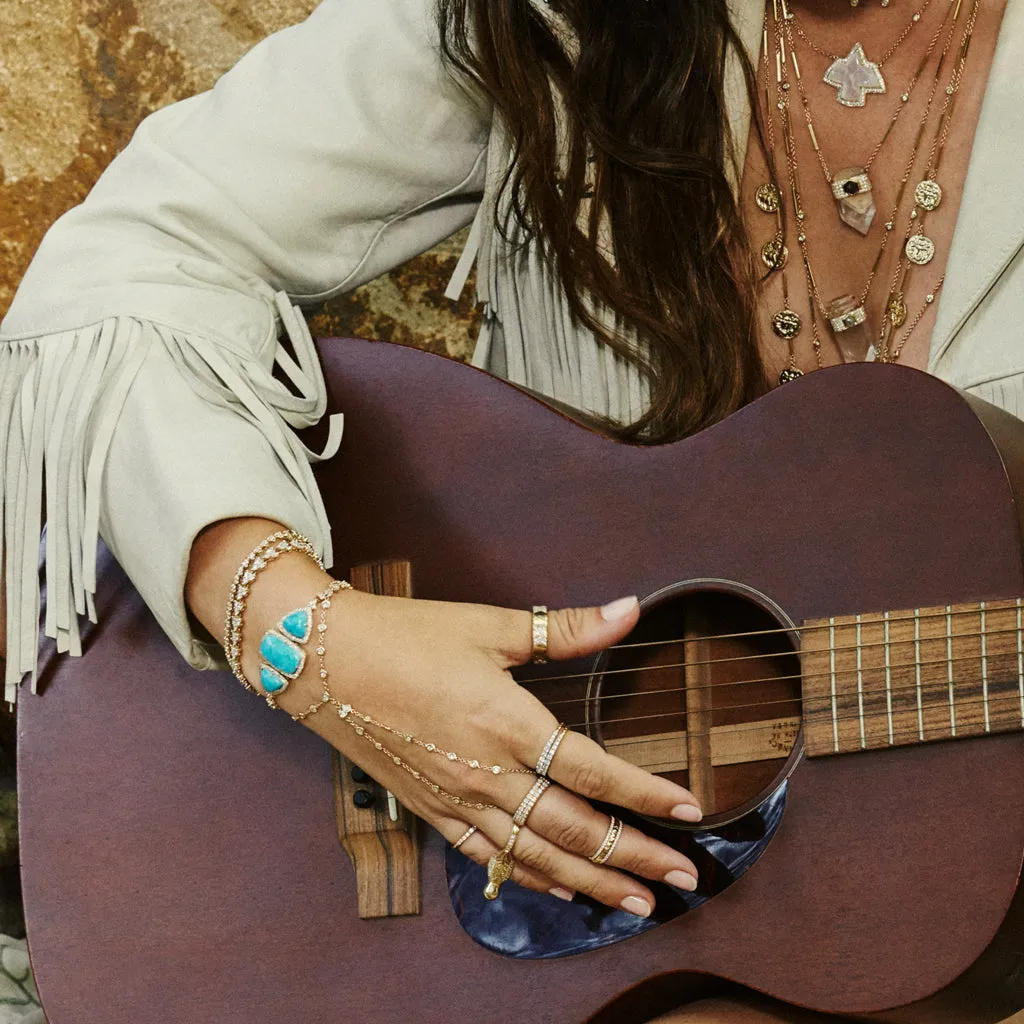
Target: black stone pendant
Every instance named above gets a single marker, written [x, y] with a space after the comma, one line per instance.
[790, 373]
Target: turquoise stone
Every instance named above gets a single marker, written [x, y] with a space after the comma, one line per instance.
[299, 624]
[282, 654]
[271, 680]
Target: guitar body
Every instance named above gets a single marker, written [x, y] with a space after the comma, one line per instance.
[179, 843]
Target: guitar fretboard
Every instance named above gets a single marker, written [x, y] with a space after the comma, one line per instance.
[892, 679]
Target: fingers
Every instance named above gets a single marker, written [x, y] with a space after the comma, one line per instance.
[582, 766]
[572, 632]
[573, 825]
[480, 849]
[534, 852]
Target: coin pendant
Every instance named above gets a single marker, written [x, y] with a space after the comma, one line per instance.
[928, 194]
[786, 323]
[774, 253]
[897, 310]
[767, 197]
[919, 249]
[790, 373]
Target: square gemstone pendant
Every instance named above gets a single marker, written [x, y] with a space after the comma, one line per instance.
[854, 196]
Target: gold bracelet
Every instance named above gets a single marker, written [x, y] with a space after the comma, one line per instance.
[258, 559]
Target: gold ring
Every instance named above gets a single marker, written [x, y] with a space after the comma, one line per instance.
[540, 634]
[611, 839]
[499, 867]
[465, 835]
[548, 753]
[531, 798]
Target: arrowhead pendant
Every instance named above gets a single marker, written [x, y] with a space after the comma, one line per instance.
[853, 77]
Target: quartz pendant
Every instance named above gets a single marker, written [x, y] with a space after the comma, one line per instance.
[851, 189]
[854, 76]
[848, 320]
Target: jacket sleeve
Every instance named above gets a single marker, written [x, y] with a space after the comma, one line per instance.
[137, 395]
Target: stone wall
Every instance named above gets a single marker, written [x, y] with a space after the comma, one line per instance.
[77, 76]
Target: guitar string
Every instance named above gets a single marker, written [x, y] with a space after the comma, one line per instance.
[989, 609]
[863, 693]
[791, 677]
[825, 720]
[783, 654]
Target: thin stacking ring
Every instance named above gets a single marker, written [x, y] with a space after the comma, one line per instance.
[465, 835]
[540, 634]
[531, 798]
[611, 839]
[548, 753]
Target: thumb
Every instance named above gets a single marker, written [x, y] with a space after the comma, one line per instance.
[573, 632]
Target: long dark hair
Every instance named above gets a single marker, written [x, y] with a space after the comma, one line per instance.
[643, 85]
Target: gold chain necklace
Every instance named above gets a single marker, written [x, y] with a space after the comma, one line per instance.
[918, 248]
[854, 76]
[850, 312]
[852, 188]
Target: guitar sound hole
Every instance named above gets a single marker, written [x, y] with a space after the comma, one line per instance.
[705, 691]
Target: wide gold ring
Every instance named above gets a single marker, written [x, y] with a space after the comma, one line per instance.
[539, 654]
[611, 839]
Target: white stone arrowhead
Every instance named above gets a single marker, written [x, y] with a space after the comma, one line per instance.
[854, 76]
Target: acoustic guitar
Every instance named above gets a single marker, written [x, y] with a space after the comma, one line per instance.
[831, 654]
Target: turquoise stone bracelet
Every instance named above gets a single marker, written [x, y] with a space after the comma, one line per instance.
[280, 649]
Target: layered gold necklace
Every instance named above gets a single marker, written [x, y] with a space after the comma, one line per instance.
[852, 190]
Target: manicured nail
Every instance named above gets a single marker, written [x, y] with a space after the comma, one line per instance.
[637, 906]
[562, 894]
[618, 609]
[687, 812]
[681, 880]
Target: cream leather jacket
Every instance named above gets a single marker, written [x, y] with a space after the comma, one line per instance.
[136, 361]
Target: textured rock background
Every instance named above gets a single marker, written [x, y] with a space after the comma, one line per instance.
[77, 76]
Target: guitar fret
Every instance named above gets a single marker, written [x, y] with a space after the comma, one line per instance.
[883, 678]
[1020, 662]
[984, 669]
[949, 668]
[888, 678]
[860, 685]
[832, 673]
[917, 666]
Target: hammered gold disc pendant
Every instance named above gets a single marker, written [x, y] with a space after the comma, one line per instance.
[928, 194]
[767, 197]
[897, 310]
[920, 249]
[790, 373]
[787, 323]
[774, 253]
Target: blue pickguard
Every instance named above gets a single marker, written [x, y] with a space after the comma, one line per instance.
[535, 926]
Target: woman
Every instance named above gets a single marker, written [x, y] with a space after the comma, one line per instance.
[634, 266]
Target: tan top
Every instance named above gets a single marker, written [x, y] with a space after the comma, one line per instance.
[135, 362]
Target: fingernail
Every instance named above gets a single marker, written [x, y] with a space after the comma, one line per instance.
[562, 894]
[618, 609]
[686, 812]
[681, 880]
[637, 906]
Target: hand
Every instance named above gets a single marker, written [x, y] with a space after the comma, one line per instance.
[439, 672]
